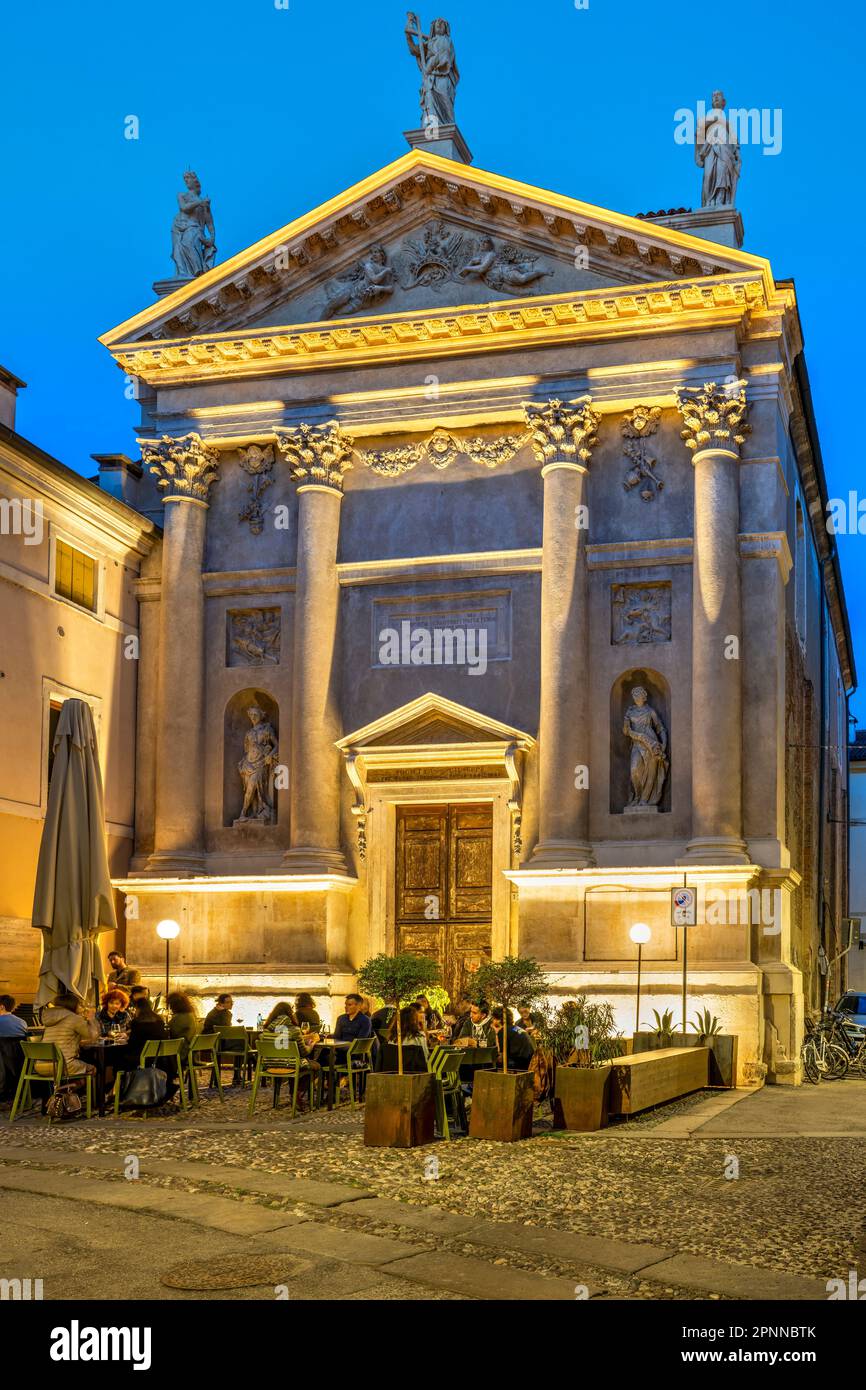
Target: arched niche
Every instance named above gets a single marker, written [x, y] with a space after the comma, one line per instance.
[658, 693]
[236, 726]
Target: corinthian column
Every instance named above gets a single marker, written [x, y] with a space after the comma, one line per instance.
[715, 427]
[562, 440]
[318, 456]
[185, 469]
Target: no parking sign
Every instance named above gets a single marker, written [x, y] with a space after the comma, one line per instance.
[684, 906]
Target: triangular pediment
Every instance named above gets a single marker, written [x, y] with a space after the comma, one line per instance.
[433, 721]
[426, 232]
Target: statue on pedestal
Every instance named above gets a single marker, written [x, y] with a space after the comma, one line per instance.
[717, 152]
[649, 760]
[434, 54]
[256, 768]
[193, 248]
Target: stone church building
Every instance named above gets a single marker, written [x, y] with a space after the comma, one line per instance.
[492, 590]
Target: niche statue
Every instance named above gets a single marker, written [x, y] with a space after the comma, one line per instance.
[649, 759]
[256, 767]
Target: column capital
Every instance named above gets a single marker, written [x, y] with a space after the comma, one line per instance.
[318, 455]
[714, 417]
[562, 433]
[185, 466]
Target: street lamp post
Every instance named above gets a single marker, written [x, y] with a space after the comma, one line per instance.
[167, 930]
[640, 935]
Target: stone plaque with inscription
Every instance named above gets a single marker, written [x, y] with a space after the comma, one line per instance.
[640, 613]
[442, 629]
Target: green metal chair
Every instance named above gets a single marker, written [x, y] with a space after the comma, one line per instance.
[152, 1051]
[358, 1061]
[234, 1044]
[46, 1055]
[281, 1060]
[448, 1088]
[206, 1047]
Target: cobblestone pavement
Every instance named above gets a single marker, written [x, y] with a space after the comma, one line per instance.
[789, 1203]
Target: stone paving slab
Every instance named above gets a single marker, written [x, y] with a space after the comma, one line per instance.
[434, 1221]
[337, 1244]
[736, 1281]
[311, 1190]
[478, 1279]
[217, 1213]
[572, 1246]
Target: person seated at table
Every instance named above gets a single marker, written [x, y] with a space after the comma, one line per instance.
[184, 1021]
[354, 1023]
[121, 973]
[136, 994]
[527, 1019]
[11, 1026]
[432, 1019]
[281, 1016]
[68, 1023]
[306, 1012]
[114, 1012]
[383, 1018]
[220, 1016]
[477, 1029]
[520, 1048]
[146, 1026]
[456, 1014]
[411, 1030]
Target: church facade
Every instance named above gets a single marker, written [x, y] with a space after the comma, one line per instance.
[492, 576]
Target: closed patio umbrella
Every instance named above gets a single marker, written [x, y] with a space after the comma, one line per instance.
[73, 900]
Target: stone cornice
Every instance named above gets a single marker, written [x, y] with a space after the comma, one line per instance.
[560, 319]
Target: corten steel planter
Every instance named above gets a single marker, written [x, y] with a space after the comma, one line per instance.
[502, 1106]
[399, 1111]
[723, 1052]
[581, 1098]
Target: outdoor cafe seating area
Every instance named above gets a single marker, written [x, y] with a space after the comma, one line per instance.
[313, 1072]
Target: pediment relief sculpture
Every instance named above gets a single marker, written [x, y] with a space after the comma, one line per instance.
[441, 256]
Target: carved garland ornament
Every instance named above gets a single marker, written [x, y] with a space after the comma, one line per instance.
[184, 467]
[636, 428]
[258, 463]
[714, 416]
[442, 449]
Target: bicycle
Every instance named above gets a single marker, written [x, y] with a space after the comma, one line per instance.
[821, 1056]
[851, 1039]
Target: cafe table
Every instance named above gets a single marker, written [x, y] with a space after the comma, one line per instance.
[331, 1046]
[98, 1054]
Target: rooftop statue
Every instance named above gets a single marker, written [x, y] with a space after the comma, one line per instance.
[193, 248]
[434, 54]
[717, 151]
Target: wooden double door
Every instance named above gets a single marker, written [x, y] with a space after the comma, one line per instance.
[444, 898]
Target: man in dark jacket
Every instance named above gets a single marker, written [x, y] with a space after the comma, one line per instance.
[354, 1023]
[221, 1016]
[520, 1049]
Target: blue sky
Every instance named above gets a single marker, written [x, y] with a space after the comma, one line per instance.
[278, 109]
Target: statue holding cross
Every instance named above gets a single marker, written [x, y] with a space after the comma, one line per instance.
[434, 54]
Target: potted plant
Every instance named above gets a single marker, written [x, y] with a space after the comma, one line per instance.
[399, 1111]
[707, 1032]
[502, 1101]
[582, 1038]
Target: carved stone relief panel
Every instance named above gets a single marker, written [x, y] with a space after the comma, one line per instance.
[640, 613]
[462, 630]
[253, 637]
